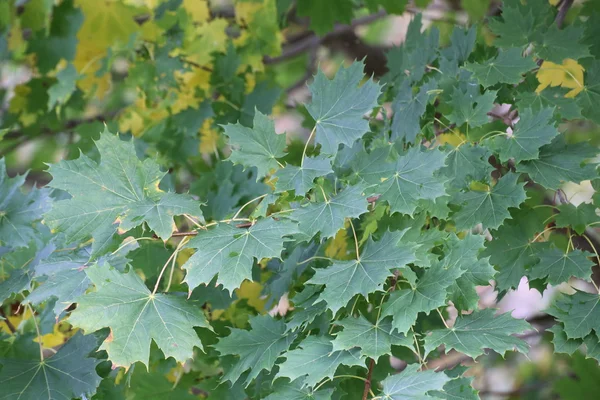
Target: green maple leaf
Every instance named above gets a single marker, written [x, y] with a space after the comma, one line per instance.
[329, 216]
[69, 373]
[229, 251]
[513, 251]
[579, 313]
[462, 43]
[61, 91]
[458, 388]
[258, 146]
[338, 107]
[489, 207]
[258, 348]
[413, 384]
[473, 333]
[582, 381]
[324, 15]
[520, 22]
[404, 183]
[560, 162]
[466, 163]
[408, 109]
[374, 340]
[19, 210]
[557, 44]
[559, 266]
[471, 108]
[300, 179]
[551, 97]
[533, 131]
[427, 294]
[119, 192]
[464, 254]
[20, 265]
[507, 67]
[589, 98]
[315, 359]
[578, 217]
[562, 344]
[345, 279]
[409, 61]
[135, 316]
[297, 390]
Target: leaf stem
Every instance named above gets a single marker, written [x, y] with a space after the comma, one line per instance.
[171, 257]
[597, 259]
[306, 145]
[442, 317]
[132, 241]
[309, 259]
[355, 240]
[541, 233]
[37, 329]
[177, 249]
[248, 203]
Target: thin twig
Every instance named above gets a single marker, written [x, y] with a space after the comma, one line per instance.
[562, 12]
[9, 324]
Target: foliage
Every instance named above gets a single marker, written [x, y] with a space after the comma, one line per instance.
[201, 251]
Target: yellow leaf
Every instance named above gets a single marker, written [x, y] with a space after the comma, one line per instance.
[206, 39]
[338, 246]
[209, 138]
[252, 292]
[454, 138]
[53, 339]
[190, 81]
[569, 75]
[198, 10]
[479, 187]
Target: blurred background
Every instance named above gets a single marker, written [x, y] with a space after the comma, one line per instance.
[170, 73]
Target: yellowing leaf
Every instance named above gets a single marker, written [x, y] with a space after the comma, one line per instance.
[56, 338]
[198, 10]
[190, 82]
[209, 138]
[206, 39]
[454, 138]
[338, 246]
[568, 75]
[252, 292]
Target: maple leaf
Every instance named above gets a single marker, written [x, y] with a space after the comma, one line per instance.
[569, 75]
[258, 146]
[297, 390]
[70, 373]
[507, 67]
[229, 251]
[559, 266]
[489, 207]
[560, 162]
[579, 217]
[135, 316]
[315, 359]
[338, 107]
[556, 44]
[589, 98]
[428, 293]
[473, 333]
[119, 192]
[300, 179]
[520, 22]
[345, 279]
[405, 182]
[408, 109]
[466, 163]
[413, 384]
[323, 16]
[579, 313]
[257, 348]
[471, 109]
[374, 340]
[18, 209]
[328, 217]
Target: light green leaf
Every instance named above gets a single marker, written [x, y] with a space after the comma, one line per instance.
[258, 146]
[345, 279]
[533, 131]
[489, 207]
[229, 251]
[412, 384]
[427, 294]
[61, 91]
[374, 340]
[300, 179]
[405, 182]
[473, 333]
[135, 316]
[471, 109]
[119, 192]
[559, 162]
[69, 373]
[328, 216]
[338, 107]
[315, 359]
[257, 348]
[507, 67]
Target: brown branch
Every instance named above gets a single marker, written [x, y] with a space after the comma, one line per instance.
[368, 381]
[563, 9]
[9, 324]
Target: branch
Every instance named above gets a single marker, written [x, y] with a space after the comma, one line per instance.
[562, 12]
[368, 381]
